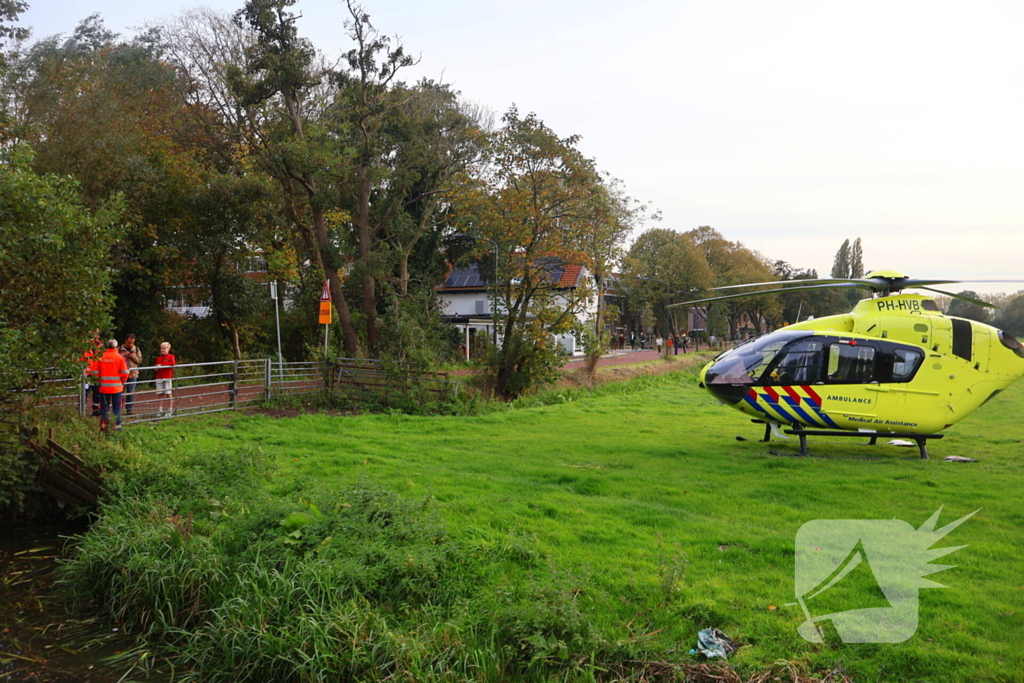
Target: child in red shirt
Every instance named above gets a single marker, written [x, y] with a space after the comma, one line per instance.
[164, 374]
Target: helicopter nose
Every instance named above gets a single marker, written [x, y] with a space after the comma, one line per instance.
[720, 378]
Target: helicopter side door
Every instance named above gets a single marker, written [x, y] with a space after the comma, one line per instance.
[849, 395]
[903, 403]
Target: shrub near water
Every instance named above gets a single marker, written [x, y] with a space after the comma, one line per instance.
[326, 586]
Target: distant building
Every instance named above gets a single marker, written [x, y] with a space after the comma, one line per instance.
[193, 301]
[467, 304]
[190, 301]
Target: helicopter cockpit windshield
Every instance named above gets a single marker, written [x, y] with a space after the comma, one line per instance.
[745, 364]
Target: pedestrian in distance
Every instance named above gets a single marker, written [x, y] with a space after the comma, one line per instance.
[165, 363]
[658, 341]
[133, 358]
[112, 372]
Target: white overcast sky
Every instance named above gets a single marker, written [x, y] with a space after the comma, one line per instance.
[788, 125]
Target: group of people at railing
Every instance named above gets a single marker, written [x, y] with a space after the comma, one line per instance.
[112, 375]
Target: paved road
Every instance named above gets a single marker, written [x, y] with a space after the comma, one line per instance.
[612, 358]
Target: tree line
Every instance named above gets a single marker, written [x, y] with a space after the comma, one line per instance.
[214, 146]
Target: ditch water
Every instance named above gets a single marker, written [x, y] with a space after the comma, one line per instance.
[40, 641]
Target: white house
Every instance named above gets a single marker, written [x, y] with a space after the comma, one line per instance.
[467, 304]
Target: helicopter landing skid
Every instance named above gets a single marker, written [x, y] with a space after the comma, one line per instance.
[920, 439]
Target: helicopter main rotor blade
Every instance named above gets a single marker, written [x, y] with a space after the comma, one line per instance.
[977, 302]
[936, 282]
[783, 290]
[916, 282]
[784, 283]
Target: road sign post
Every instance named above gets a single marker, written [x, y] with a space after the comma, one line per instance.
[325, 311]
[277, 321]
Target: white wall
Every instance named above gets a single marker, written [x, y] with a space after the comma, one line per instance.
[465, 303]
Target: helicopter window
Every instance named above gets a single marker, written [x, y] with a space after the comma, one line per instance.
[851, 363]
[744, 364]
[800, 364]
[1011, 343]
[962, 339]
[904, 363]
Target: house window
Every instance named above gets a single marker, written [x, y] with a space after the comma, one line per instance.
[480, 306]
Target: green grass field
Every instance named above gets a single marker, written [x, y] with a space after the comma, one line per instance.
[660, 523]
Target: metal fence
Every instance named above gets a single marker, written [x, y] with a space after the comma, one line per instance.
[228, 385]
[364, 380]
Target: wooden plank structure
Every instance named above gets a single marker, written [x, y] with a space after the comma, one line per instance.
[64, 475]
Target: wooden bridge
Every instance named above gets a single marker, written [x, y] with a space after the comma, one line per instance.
[64, 475]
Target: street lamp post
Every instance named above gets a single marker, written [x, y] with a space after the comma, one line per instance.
[494, 320]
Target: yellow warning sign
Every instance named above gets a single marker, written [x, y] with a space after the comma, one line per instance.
[325, 312]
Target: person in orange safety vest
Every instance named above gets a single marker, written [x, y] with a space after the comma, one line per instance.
[112, 372]
[95, 346]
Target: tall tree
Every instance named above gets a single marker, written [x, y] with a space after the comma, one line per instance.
[9, 12]
[661, 267]
[856, 259]
[841, 263]
[612, 216]
[121, 118]
[277, 88]
[734, 264]
[424, 144]
[224, 228]
[530, 195]
[54, 256]
[368, 93]
[848, 264]
[109, 112]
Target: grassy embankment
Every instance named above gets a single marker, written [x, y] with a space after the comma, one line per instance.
[593, 536]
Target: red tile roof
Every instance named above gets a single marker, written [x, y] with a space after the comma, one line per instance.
[570, 276]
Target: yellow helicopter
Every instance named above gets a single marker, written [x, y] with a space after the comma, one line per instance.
[895, 366]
